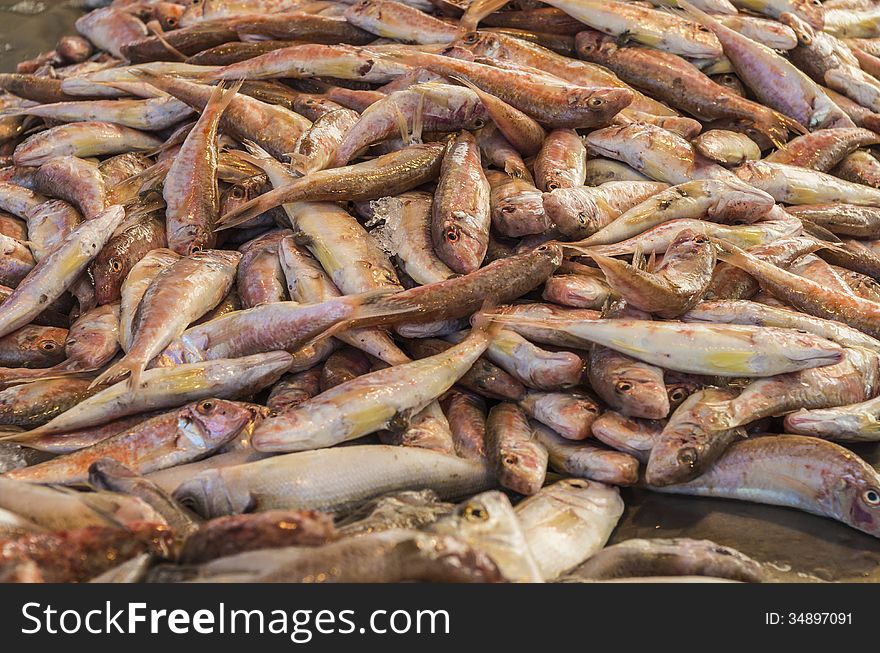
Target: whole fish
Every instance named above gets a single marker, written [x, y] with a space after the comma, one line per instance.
[301, 480]
[365, 404]
[135, 285]
[59, 270]
[717, 200]
[192, 198]
[688, 444]
[169, 387]
[721, 350]
[389, 556]
[389, 174]
[671, 557]
[175, 438]
[670, 288]
[110, 29]
[177, 296]
[796, 472]
[82, 139]
[662, 30]
[518, 459]
[125, 249]
[396, 20]
[694, 91]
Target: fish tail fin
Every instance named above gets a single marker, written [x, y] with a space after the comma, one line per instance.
[729, 253]
[402, 127]
[221, 95]
[255, 207]
[156, 30]
[118, 370]
[418, 122]
[790, 123]
[381, 307]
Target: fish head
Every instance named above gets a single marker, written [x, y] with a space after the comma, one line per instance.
[609, 141]
[573, 210]
[594, 46]
[602, 103]
[45, 344]
[811, 11]
[640, 393]
[485, 44]
[168, 14]
[208, 495]
[804, 346]
[205, 425]
[486, 515]
[857, 494]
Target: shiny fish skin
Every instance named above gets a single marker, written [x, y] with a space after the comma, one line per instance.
[714, 349]
[629, 435]
[165, 441]
[360, 472]
[369, 403]
[82, 139]
[517, 458]
[389, 556]
[824, 149]
[726, 147]
[176, 297]
[460, 219]
[487, 522]
[168, 387]
[192, 198]
[718, 200]
[688, 444]
[770, 470]
[586, 460]
[639, 558]
[389, 174]
[567, 522]
[58, 271]
[134, 287]
[570, 413]
[466, 414]
[117, 258]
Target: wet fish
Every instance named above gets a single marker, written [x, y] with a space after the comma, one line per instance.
[568, 522]
[794, 471]
[518, 459]
[300, 480]
[586, 460]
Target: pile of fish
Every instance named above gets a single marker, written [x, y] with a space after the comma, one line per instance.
[284, 280]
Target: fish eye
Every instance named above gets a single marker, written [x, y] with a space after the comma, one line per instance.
[172, 21]
[115, 264]
[237, 193]
[206, 406]
[582, 217]
[48, 345]
[702, 28]
[479, 123]
[508, 208]
[688, 456]
[471, 38]
[678, 394]
[871, 497]
[195, 249]
[452, 235]
[511, 459]
[553, 185]
[623, 387]
[542, 248]
[475, 513]
[596, 102]
[702, 239]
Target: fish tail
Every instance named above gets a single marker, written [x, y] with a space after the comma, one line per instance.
[254, 207]
[118, 370]
[156, 30]
[790, 123]
[221, 96]
[383, 306]
[729, 253]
